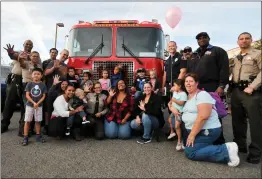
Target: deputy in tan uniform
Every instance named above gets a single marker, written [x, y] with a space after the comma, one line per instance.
[14, 89]
[247, 98]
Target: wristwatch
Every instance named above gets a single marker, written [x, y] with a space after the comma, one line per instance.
[222, 86]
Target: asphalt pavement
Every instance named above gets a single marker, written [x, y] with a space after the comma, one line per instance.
[109, 159]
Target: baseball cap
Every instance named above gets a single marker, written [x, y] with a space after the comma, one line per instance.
[141, 70]
[201, 34]
[187, 49]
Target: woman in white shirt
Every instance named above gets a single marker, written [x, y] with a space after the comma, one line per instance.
[57, 123]
[203, 127]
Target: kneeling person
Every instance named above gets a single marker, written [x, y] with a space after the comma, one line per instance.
[35, 95]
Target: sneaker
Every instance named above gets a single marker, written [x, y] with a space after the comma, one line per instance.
[85, 122]
[76, 134]
[233, 154]
[143, 141]
[39, 138]
[171, 136]
[180, 146]
[249, 159]
[67, 131]
[25, 141]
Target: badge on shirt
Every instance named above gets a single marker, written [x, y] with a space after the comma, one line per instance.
[208, 53]
[176, 59]
[248, 58]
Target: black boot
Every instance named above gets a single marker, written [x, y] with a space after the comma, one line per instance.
[76, 134]
[44, 130]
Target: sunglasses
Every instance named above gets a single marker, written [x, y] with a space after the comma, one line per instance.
[202, 37]
[187, 51]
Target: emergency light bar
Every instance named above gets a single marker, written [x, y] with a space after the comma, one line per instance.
[117, 22]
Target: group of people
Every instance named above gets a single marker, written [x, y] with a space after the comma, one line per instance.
[65, 104]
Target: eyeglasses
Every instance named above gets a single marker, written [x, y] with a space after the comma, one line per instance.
[97, 87]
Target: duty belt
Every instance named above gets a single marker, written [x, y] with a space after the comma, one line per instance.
[241, 84]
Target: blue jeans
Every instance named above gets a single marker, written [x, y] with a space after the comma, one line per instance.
[149, 123]
[204, 150]
[114, 130]
[70, 119]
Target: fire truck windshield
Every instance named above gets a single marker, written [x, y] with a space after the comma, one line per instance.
[84, 41]
[142, 41]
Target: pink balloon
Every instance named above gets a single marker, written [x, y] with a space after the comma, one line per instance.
[173, 16]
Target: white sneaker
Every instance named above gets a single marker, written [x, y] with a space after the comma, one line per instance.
[233, 154]
[85, 122]
[67, 131]
[180, 146]
[171, 136]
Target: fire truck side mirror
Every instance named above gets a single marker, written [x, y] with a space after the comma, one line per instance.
[166, 53]
[167, 40]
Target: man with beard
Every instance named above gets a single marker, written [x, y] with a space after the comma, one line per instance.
[212, 67]
[190, 57]
[48, 79]
[14, 90]
[53, 68]
[46, 65]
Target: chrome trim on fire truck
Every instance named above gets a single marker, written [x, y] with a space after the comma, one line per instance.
[128, 67]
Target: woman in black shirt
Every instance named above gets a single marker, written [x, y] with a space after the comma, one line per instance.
[148, 113]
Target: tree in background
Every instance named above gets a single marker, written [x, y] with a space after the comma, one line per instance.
[257, 44]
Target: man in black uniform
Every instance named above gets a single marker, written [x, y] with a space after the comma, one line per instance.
[175, 68]
[48, 79]
[212, 66]
[14, 90]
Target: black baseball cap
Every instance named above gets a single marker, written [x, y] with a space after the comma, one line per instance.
[187, 49]
[141, 70]
[202, 34]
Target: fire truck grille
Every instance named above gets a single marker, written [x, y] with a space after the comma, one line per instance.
[128, 68]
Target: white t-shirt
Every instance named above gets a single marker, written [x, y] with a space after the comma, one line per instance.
[60, 107]
[190, 111]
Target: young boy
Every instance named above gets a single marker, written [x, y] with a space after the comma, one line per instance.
[139, 82]
[72, 77]
[27, 68]
[35, 95]
[116, 76]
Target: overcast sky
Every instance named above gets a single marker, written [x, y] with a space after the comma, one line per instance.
[223, 21]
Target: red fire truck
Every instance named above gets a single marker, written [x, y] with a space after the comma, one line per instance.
[104, 44]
